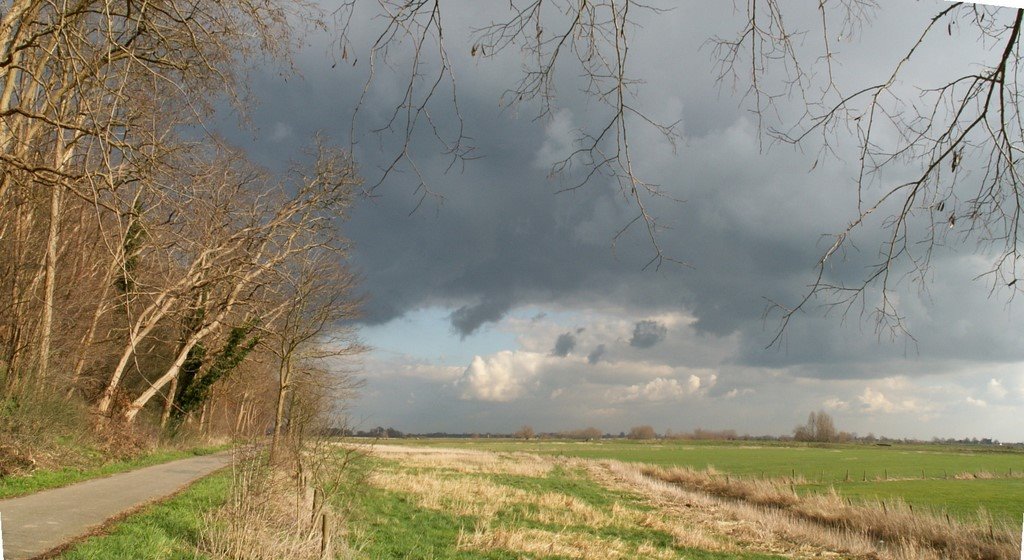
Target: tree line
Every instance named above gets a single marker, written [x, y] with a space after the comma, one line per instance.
[143, 260]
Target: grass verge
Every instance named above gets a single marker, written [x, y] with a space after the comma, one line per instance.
[14, 486]
[169, 530]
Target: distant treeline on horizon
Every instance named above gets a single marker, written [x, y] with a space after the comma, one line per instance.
[641, 433]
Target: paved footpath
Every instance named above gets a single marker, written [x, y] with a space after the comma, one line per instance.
[40, 522]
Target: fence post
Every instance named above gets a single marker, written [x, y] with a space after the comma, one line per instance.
[2, 542]
[325, 536]
[318, 499]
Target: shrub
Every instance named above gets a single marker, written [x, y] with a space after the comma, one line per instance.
[642, 432]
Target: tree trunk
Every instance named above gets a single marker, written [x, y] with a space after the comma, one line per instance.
[62, 154]
[13, 349]
[284, 378]
[168, 403]
[90, 334]
[170, 375]
[46, 329]
[241, 411]
[146, 322]
[202, 418]
[290, 413]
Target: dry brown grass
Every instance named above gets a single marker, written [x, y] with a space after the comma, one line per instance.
[466, 460]
[979, 475]
[563, 544]
[902, 532]
[269, 516]
[746, 527]
[481, 498]
[705, 510]
[440, 480]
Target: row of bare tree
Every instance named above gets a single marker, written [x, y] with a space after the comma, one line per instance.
[142, 261]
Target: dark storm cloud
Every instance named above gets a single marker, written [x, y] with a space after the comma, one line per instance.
[565, 344]
[468, 318]
[647, 334]
[501, 239]
[595, 355]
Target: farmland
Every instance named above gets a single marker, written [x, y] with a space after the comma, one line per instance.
[510, 499]
[416, 503]
[958, 480]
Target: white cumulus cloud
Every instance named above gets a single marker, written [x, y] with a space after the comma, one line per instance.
[996, 389]
[835, 403]
[876, 401]
[658, 390]
[976, 402]
[501, 377]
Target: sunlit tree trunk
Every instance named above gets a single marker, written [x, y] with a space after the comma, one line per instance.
[62, 154]
[283, 387]
[168, 403]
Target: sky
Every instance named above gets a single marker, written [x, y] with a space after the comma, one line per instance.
[506, 302]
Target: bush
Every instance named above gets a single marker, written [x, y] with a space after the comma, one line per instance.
[819, 427]
[526, 432]
[642, 432]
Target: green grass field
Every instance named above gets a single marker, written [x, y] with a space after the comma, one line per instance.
[443, 513]
[922, 475]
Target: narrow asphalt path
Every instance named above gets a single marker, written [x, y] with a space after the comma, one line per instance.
[40, 522]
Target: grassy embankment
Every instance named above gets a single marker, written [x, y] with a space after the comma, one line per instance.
[250, 511]
[955, 479]
[170, 530]
[98, 466]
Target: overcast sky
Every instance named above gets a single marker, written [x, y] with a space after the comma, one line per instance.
[505, 303]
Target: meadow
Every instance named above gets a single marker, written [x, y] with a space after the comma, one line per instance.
[507, 500]
[958, 480]
[465, 499]
[416, 503]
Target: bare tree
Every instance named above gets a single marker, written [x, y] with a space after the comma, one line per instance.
[91, 96]
[956, 138]
[642, 432]
[251, 231]
[127, 249]
[525, 432]
[316, 292]
[819, 427]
